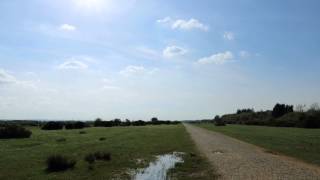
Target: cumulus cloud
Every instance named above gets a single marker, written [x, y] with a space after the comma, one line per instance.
[136, 70]
[6, 78]
[73, 64]
[219, 58]
[183, 24]
[67, 27]
[228, 35]
[173, 51]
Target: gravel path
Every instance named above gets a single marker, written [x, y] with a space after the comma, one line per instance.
[235, 159]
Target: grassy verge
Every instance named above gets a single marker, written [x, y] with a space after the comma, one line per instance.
[301, 143]
[25, 158]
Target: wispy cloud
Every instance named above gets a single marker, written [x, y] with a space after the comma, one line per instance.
[244, 54]
[6, 78]
[148, 53]
[228, 35]
[219, 58]
[173, 51]
[72, 64]
[67, 27]
[136, 71]
[184, 24]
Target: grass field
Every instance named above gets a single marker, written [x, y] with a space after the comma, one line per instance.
[25, 158]
[301, 143]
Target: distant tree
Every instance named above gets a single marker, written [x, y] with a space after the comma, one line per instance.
[139, 123]
[219, 121]
[75, 125]
[314, 107]
[300, 107]
[53, 125]
[154, 120]
[281, 109]
[239, 111]
[126, 123]
[116, 122]
[98, 123]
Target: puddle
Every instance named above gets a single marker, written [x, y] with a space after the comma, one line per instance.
[158, 170]
[217, 152]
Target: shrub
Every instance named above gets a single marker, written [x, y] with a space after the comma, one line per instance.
[14, 131]
[281, 109]
[75, 125]
[52, 125]
[97, 156]
[102, 156]
[59, 163]
[102, 139]
[218, 121]
[82, 132]
[90, 158]
[310, 120]
[98, 123]
[138, 123]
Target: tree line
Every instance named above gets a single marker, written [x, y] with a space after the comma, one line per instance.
[282, 115]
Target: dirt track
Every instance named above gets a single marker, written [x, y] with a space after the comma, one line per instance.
[234, 159]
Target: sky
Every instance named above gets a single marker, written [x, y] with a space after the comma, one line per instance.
[172, 59]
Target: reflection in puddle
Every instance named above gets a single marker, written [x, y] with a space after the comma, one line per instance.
[158, 170]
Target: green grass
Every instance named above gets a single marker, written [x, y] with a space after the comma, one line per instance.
[25, 158]
[301, 143]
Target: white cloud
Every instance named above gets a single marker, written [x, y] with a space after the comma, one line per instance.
[228, 36]
[67, 27]
[136, 70]
[6, 78]
[189, 24]
[73, 64]
[219, 58]
[173, 51]
[184, 24]
[244, 54]
[148, 53]
[164, 20]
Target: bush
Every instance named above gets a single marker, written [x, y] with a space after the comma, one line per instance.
[52, 125]
[82, 132]
[96, 156]
[104, 156]
[218, 121]
[138, 123]
[14, 131]
[310, 120]
[281, 109]
[90, 158]
[102, 139]
[75, 125]
[59, 163]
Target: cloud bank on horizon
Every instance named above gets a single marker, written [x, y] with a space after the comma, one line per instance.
[82, 59]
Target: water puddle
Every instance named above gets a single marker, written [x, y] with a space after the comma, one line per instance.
[158, 170]
[217, 152]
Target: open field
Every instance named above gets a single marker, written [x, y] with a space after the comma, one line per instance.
[301, 143]
[25, 158]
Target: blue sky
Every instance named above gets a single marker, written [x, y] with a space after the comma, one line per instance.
[182, 59]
